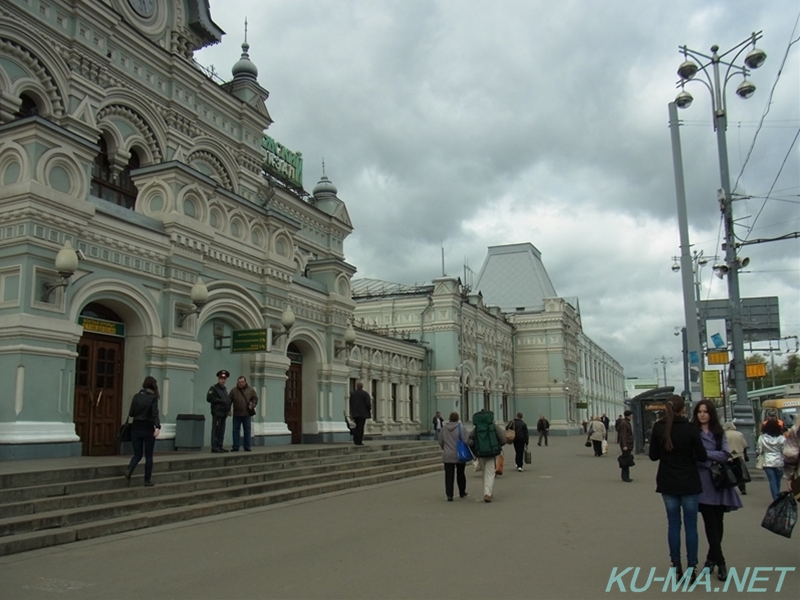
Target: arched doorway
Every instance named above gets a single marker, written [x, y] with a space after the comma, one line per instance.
[293, 394]
[98, 380]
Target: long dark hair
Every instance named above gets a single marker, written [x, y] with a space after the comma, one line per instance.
[151, 384]
[714, 426]
[674, 405]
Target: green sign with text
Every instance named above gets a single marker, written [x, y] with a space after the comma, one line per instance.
[282, 162]
[249, 340]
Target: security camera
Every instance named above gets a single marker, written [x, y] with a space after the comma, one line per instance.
[81, 255]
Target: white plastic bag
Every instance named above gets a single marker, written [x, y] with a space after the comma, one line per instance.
[605, 447]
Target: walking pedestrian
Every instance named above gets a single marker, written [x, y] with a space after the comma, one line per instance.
[145, 428]
[521, 438]
[770, 448]
[738, 445]
[597, 433]
[625, 439]
[791, 459]
[243, 400]
[220, 403]
[714, 503]
[676, 445]
[487, 440]
[543, 428]
[360, 411]
[606, 423]
[438, 421]
[451, 432]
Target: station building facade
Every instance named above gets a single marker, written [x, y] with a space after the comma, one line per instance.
[116, 146]
[148, 225]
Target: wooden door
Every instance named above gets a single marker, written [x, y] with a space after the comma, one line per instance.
[293, 401]
[98, 393]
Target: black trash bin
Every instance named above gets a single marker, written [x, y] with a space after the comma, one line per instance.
[189, 432]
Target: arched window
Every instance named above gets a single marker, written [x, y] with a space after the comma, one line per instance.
[28, 107]
[122, 191]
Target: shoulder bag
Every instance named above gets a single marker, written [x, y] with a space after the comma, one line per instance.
[124, 433]
[462, 449]
[510, 433]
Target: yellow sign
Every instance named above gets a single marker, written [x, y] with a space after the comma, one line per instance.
[754, 370]
[711, 385]
[718, 357]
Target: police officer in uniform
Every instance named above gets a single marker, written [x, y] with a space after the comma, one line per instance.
[220, 409]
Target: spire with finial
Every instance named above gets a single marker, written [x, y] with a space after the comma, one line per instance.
[325, 186]
[244, 67]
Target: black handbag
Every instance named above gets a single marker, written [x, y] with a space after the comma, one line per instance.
[124, 433]
[625, 460]
[729, 474]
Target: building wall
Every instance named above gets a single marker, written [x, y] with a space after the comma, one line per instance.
[203, 211]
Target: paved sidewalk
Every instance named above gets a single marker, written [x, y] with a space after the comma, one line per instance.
[556, 530]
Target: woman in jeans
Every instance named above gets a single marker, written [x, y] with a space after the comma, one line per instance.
[714, 503]
[676, 444]
[144, 429]
[770, 448]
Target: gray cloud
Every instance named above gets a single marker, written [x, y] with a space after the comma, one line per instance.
[465, 124]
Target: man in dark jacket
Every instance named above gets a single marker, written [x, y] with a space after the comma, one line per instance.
[360, 411]
[243, 402]
[625, 439]
[543, 427]
[521, 438]
[220, 403]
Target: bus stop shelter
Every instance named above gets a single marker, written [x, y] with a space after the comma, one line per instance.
[648, 407]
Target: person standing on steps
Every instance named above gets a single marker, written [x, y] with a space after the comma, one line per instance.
[220, 403]
[144, 429]
[360, 411]
[243, 402]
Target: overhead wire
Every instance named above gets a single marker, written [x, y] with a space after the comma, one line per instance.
[760, 126]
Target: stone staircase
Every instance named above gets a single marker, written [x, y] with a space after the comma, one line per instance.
[39, 509]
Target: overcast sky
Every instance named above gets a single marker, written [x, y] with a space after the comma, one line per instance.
[464, 124]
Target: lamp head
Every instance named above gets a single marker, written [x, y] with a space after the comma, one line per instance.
[755, 58]
[287, 318]
[349, 335]
[66, 261]
[199, 293]
[688, 69]
[746, 89]
[684, 99]
[675, 267]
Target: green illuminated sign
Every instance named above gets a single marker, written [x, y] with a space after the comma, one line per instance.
[282, 162]
[249, 340]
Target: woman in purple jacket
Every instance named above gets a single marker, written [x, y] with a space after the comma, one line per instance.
[714, 503]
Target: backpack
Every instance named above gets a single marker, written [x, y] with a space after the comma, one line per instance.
[485, 435]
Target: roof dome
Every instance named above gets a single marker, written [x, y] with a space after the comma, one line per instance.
[244, 67]
[325, 186]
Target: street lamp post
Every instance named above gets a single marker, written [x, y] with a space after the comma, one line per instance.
[664, 360]
[687, 394]
[710, 67]
[692, 339]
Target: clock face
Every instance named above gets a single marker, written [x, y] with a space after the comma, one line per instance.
[143, 8]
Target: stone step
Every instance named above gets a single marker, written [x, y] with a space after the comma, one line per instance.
[96, 528]
[210, 489]
[109, 490]
[181, 462]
